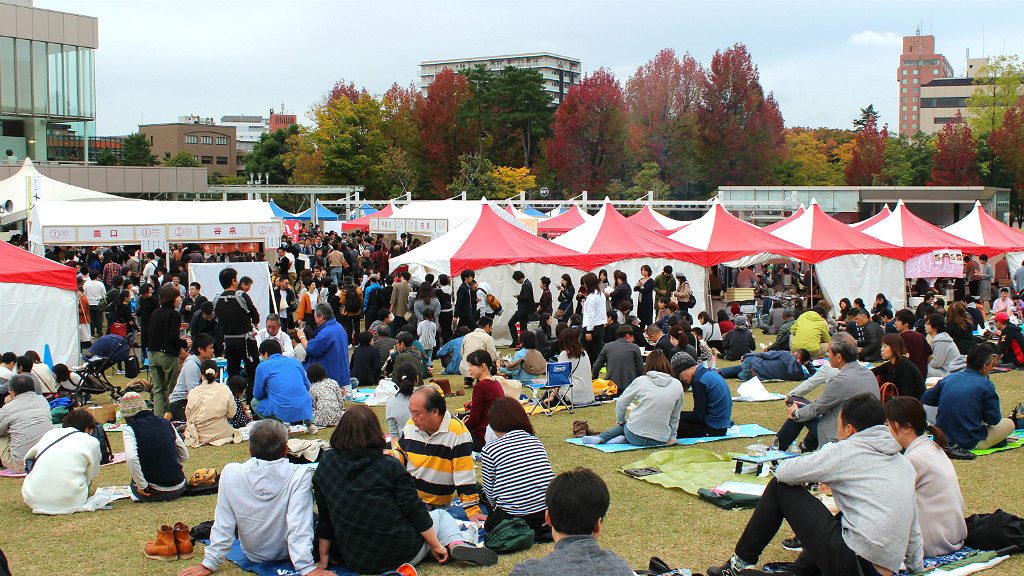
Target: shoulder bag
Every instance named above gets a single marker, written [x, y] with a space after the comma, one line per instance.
[30, 463]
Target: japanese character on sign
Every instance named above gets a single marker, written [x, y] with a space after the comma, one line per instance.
[232, 230]
[96, 234]
[216, 231]
[113, 233]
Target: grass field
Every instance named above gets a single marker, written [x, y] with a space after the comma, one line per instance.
[644, 520]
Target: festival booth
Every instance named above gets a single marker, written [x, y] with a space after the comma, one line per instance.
[27, 186]
[323, 214]
[38, 306]
[614, 243]
[494, 245]
[219, 226]
[363, 222]
[425, 218]
[719, 237]
[929, 251]
[997, 238]
[848, 263]
[563, 222]
[659, 223]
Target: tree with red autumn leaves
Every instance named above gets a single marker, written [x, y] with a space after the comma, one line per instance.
[444, 132]
[1007, 142]
[588, 147]
[868, 155]
[662, 98]
[956, 153]
[740, 129]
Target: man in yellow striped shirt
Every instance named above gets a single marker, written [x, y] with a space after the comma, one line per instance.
[437, 451]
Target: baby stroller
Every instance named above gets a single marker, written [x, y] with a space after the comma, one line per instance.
[106, 353]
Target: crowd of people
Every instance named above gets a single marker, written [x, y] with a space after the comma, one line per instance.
[879, 438]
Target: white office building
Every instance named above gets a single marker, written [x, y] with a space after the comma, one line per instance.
[560, 72]
[247, 130]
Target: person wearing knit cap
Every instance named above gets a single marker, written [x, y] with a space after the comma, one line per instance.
[154, 451]
[712, 400]
[739, 340]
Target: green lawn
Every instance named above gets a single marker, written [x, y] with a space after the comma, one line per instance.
[645, 520]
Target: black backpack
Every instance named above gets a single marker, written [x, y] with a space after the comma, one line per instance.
[353, 304]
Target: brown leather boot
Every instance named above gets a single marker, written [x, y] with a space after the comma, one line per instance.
[163, 547]
[183, 541]
[446, 386]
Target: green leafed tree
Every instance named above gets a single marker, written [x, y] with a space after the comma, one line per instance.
[999, 84]
[475, 177]
[868, 114]
[513, 108]
[348, 134]
[182, 159]
[907, 161]
[268, 155]
[106, 157]
[648, 179]
[137, 151]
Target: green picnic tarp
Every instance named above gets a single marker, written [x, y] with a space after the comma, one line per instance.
[690, 469]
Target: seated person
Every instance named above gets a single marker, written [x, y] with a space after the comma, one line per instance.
[869, 347]
[527, 363]
[897, 369]
[243, 415]
[24, 419]
[577, 502]
[371, 518]
[871, 534]
[1011, 340]
[267, 502]
[42, 382]
[918, 349]
[328, 396]
[59, 480]
[8, 367]
[1004, 303]
[441, 464]
[546, 345]
[712, 400]
[659, 338]
[680, 339]
[739, 340]
[810, 332]
[396, 412]
[940, 506]
[405, 353]
[281, 388]
[783, 334]
[450, 353]
[154, 451]
[64, 378]
[515, 469]
[580, 391]
[655, 418]
[887, 320]
[190, 376]
[208, 408]
[968, 405]
[773, 365]
[485, 391]
[944, 350]
[366, 362]
[622, 357]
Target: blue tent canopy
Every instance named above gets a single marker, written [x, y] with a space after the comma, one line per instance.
[531, 211]
[280, 212]
[322, 213]
[364, 210]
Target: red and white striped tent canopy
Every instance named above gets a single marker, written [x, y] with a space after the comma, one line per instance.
[823, 237]
[915, 236]
[653, 220]
[718, 237]
[564, 222]
[609, 236]
[982, 229]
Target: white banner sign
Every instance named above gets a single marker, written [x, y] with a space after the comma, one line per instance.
[100, 234]
[225, 231]
[59, 234]
[151, 245]
[148, 233]
[183, 232]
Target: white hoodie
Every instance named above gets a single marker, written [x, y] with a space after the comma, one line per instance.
[270, 503]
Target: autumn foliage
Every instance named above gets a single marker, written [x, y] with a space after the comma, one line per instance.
[1008, 142]
[868, 155]
[444, 135]
[955, 161]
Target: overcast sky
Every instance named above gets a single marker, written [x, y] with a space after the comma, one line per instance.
[824, 60]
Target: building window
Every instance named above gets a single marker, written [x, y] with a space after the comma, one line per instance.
[914, 99]
[222, 160]
[916, 72]
[903, 90]
[914, 108]
[222, 140]
[903, 99]
[206, 139]
[944, 102]
[913, 117]
[903, 108]
[240, 160]
[207, 160]
[915, 80]
[936, 71]
[903, 126]
[915, 126]
[904, 71]
[904, 81]
[903, 117]
[191, 140]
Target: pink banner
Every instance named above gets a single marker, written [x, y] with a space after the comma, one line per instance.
[292, 228]
[937, 264]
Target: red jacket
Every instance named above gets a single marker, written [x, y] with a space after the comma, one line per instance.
[484, 394]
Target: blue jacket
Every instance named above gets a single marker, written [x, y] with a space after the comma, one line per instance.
[329, 348]
[455, 347]
[776, 365]
[967, 401]
[282, 390]
[367, 292]
[712, 400]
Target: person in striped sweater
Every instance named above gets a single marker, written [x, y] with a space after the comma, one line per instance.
[437, 451]
[515, 469]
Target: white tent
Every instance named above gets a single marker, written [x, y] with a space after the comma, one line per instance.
[153, 224]
[426, 217]
[38, 306]
[27, 186]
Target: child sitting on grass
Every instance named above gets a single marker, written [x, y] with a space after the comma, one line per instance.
[242, 415]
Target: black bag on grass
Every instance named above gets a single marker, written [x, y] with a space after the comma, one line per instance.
[995, 531]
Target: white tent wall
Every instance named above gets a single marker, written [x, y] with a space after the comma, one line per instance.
[1014, 260]
[207, 276]
[34, 316]
[862, 276]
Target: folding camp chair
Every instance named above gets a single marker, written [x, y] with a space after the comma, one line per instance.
[558, 374]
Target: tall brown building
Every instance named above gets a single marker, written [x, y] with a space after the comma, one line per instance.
[919, 65]
[213, 146]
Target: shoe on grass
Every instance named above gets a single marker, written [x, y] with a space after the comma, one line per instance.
[474, 555]
[793, 544]
[956, 452]
[163, 548]
[312, 429]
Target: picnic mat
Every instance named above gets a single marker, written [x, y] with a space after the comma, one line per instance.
[738, 431]
[118, 457]
[1015, 440]
[691, 469]
[273, 568]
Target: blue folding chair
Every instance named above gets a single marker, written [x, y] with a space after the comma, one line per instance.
[558, 375]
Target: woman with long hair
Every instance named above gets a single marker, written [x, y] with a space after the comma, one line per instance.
[580, 390]
[396, 413]
[445, 296]
[712, 331]
[897, 369]
[940, 505]
[621, 295]
[645, 286]
[595, 309]
[960, 327]
[566, 295]
[845, 307]
[485, 391]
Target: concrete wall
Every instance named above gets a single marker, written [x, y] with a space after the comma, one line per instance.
[122, 179]
[48, 26]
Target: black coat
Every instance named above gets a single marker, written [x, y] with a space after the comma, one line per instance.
[526, 304]
[464, 305]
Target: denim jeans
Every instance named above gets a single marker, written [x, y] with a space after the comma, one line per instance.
[447, 531]
[633, 439]
[742, 371]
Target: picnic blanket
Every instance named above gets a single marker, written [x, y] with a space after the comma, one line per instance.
[737, 431]
[117, 458]
[1015, 440]
[272, 568]
[691, 469]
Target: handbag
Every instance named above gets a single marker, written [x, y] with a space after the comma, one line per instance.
[84, 333]
[31, 462]
[510, 535]
[131, 367]
[204, 477]
[559, 314]
[119, 329]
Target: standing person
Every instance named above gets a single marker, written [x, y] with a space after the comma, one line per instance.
[95, 292]
[352, 308]
[985, 275]
[566, 298]
[594, 315]
[479, 339]
[425, 300]
[329, 346]
[400, 299]
[445, 296]
[337, 263]
[465, 302]
[645, 286]
[193, 302]
[665, 284]
[426, 332]
[165, 347]
[148, 303]
[545, 305]
[285, 302]
[526, 305]
[237, 315]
